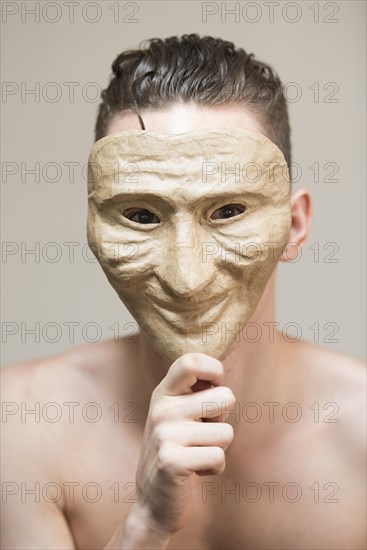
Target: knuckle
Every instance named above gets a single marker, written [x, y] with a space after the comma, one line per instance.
[160, 433]
[165, 461]
[221, 467]
[228, 432]
[217, 457]
[155, 393]
[228, 395]
[157, 415]
[188, 362]
[219, 460]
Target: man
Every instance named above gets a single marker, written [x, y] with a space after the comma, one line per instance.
[257, 444]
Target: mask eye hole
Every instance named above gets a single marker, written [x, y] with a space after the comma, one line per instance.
[228, 211]
[140, 215]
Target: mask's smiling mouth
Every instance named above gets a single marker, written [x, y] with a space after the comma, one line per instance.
[189, 305]
[188, 319]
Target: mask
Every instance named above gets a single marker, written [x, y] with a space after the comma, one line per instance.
[188, 229]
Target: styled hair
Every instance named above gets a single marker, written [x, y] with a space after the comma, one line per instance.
[204, 70]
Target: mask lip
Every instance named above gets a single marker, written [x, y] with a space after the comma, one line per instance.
[193, 135]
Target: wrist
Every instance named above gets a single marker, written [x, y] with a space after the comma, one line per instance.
[141, 531]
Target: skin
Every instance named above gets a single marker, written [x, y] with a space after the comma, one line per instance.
[196, 513]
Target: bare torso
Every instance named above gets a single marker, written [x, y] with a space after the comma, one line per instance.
[301, 485]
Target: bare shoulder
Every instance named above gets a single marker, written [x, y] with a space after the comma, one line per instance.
[76, 372]
[54, 379]
[338, 382]
[339, 372]
[41, 399]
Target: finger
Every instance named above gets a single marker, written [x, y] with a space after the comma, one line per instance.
[211, 403]
[183, 461]
[187, 370]
[204, 385]
[196, 434]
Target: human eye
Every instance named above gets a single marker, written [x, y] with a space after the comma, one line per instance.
[140, 215]
[228, 211]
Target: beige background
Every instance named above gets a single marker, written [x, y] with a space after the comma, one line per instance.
[311, 52]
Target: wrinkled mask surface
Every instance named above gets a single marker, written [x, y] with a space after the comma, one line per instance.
[188, 229]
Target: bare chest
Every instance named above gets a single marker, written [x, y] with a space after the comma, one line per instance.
[291, 496]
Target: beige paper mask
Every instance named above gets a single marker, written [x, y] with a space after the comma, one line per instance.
[189, 271]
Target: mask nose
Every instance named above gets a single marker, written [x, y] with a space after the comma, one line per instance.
[185, 271]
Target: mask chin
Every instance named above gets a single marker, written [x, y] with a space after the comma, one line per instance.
[173, 334]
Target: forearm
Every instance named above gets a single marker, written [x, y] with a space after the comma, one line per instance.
[135, 533]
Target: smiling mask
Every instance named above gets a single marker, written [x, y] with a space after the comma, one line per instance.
[188, 229]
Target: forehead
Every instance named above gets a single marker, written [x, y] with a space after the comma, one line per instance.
[154, 162]
[186, 117]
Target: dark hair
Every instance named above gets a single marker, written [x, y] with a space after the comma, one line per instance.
[207, 71]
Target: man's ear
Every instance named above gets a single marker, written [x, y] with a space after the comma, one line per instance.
[301, 211]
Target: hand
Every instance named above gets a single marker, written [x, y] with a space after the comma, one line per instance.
[178, 443]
